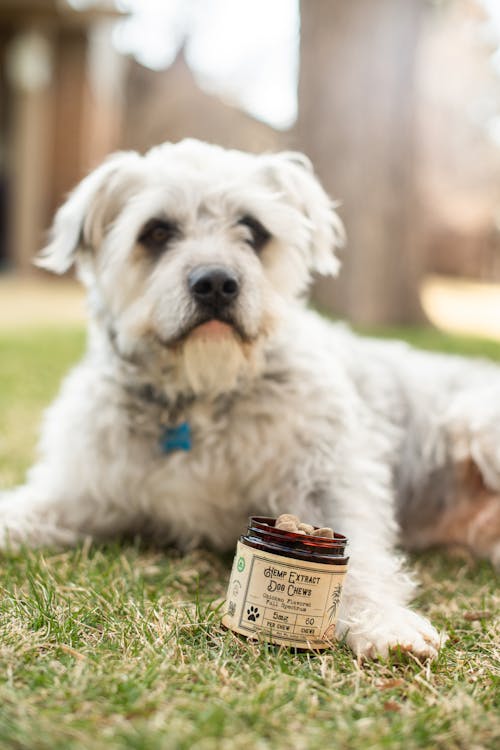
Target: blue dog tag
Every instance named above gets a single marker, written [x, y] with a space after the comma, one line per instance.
[176, 438]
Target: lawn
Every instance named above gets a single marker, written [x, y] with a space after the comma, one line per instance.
[121, 647]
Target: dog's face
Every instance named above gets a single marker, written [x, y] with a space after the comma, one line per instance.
[196, 249]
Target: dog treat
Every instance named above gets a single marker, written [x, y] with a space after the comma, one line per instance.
[286, 588]
[287, 526]
[326, 531]
[291, 523]
[306, 528]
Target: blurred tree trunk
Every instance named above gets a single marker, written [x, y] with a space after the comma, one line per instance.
[357, 123]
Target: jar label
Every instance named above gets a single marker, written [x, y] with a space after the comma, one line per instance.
[287, 601]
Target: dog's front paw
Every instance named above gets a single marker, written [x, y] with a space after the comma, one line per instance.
[371, 636]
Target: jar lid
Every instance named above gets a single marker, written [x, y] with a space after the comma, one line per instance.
[262, 530]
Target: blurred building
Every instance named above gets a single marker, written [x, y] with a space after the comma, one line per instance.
[459, 164]
[68, 99]
[396, 102]
[170, 105]
[60, 112]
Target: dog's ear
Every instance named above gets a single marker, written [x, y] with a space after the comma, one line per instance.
[80, 223]
[294, 175]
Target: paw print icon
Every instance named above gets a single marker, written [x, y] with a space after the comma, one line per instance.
[253, 613]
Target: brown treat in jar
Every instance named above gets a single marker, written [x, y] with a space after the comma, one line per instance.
[287, 518]
[325, 531]
[306, 528]
[287, 526]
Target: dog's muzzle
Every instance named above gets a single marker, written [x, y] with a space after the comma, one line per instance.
[214, 288]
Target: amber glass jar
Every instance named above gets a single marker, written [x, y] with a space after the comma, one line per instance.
[286, 587]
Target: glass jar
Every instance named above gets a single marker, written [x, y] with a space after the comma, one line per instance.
[285, 587]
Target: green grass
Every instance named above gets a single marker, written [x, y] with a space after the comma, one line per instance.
[118, 646]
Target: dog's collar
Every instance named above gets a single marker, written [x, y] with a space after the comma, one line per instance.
[173, 437]
[172, 408]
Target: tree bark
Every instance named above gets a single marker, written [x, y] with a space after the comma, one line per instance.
[357, 123]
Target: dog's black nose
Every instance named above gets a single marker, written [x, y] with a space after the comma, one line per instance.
[213, 286]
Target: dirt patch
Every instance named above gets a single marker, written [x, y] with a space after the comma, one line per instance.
[26, 303]
[462, 306]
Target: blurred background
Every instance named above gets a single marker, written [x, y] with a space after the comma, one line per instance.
[396, 103]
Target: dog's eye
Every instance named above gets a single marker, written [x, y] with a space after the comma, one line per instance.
[258, 234]
[157, 233]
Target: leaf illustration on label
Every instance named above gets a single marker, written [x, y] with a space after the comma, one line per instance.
[236, 588]
[335, 601]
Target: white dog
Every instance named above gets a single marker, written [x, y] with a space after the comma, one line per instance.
[209, 392]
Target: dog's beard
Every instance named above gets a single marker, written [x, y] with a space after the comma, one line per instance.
[214, 364]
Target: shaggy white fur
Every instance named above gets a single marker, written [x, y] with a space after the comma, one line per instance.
[287, 412]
